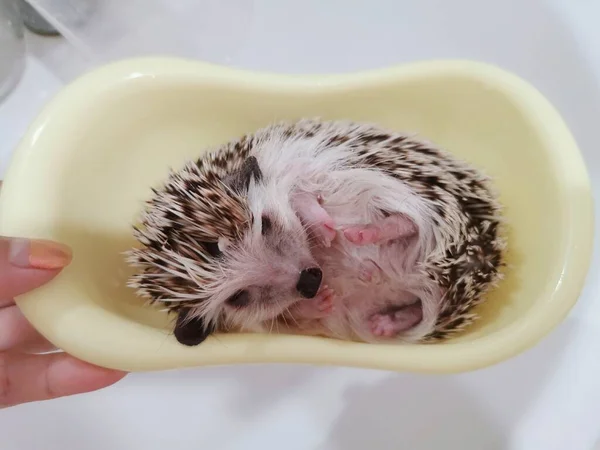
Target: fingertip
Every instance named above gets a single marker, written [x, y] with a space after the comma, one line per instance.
[69, 376]
[27, 265]
[29, 378]
[38, 254]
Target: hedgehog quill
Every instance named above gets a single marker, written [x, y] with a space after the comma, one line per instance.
[328, 228]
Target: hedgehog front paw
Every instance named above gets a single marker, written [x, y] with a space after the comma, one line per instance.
[369, 272]
[314, 217]
[391, 322]
[325, 232]
[318, 307]
[362, 234]
[396, 226]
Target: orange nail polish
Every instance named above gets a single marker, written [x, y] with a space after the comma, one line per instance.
[38, 254]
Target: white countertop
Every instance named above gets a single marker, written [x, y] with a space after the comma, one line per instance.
[547, 398]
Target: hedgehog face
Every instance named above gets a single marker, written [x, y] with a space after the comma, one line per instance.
[223, 251]
[271, 268]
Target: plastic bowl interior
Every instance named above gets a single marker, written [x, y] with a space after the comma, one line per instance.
[85, 167]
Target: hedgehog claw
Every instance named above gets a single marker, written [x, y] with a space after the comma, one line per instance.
[396, 226]
[370, 272]
[310, 211]
[318, 307]
[390, 323]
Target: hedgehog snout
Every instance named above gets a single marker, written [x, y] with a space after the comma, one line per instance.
[309, 282]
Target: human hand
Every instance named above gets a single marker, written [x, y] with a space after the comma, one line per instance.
[24, 376]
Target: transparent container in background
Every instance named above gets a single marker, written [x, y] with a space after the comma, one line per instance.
[12, 47]
[101, 31]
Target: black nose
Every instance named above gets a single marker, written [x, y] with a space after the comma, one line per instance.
[309, 282]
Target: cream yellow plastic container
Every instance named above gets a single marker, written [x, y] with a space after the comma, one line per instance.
[85, 167]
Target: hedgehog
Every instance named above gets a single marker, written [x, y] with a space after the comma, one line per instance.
[334, 228]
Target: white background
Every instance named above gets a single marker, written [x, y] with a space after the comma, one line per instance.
[547, 398]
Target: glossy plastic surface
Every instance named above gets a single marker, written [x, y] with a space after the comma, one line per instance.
[83, 170]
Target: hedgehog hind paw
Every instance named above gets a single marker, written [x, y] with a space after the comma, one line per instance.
[393, 227]
[391, 322]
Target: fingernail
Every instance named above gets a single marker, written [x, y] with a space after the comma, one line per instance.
[38, 254]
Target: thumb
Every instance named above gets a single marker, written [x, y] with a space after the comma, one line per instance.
[27, 264]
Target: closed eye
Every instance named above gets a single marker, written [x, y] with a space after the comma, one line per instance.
[266, 225]
[239, 299]
[212, 248]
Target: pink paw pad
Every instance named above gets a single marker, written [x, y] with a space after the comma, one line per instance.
[382, 325]
[315, 218]
[369, 273]
[392, 227]
[364, 235]
[324, 300]
[390, 324]
[327, 232]
[320, 306]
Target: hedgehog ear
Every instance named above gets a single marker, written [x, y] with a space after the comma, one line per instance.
[240, 179]
[191, 331]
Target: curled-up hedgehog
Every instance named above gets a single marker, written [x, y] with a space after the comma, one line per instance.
[327, 228]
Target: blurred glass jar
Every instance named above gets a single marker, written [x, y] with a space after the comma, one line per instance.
[12, 46]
